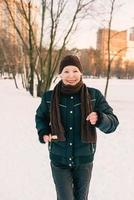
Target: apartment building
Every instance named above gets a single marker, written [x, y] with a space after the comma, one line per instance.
[118, 44]
[6, 24]
[130, 45]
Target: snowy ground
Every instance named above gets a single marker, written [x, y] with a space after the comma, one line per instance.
[24, 163]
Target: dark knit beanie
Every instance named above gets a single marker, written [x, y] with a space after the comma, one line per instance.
[70, 60]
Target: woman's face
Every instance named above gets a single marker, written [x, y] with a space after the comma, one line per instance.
[70, 75]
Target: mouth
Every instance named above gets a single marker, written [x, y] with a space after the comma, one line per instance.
[71, 81]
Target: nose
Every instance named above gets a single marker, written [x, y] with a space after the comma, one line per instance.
[71, 74]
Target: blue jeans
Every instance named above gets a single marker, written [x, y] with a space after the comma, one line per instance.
[72, 183]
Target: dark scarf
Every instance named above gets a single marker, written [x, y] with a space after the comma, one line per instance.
[88, 132]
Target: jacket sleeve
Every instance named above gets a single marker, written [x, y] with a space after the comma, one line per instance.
[107, 120]
[42, 119]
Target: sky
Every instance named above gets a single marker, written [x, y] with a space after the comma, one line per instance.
[86, 34]
[24, 164]
[123, 19]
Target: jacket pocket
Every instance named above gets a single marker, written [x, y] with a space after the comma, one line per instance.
[58, 148]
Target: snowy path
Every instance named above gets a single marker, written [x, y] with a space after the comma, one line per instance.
[24, 163]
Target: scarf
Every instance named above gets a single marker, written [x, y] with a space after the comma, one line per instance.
[88, 131]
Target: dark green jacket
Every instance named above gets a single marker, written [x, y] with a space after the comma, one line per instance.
[73, 151]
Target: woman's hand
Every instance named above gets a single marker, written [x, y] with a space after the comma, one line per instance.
[48, 138]
[92, 117]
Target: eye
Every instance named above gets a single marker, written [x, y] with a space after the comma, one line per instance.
[66, 71]
[75, 71]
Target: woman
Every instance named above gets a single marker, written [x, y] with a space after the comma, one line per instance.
[67, 119]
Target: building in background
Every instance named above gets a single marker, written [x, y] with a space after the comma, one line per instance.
[7, 26]
[130, 45]
[118, 45]
[12, 48]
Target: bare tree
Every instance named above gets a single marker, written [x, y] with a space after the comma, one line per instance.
[44, 61]
[57, 12]
[28, 43]
[10, 56]
[108, 9]
[108, 42]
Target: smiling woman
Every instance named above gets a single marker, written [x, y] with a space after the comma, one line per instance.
[70, 75]
[70, 70]
[67, 119]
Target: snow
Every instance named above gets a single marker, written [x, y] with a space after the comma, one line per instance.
[24, 170]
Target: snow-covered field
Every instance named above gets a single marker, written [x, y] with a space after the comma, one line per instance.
[24, 164]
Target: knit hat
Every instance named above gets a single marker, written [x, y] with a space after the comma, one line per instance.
[70, 60]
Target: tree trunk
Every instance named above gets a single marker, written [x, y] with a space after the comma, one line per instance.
[31, 49]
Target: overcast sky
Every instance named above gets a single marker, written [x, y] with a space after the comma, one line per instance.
[85, 36]
[123, 19]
